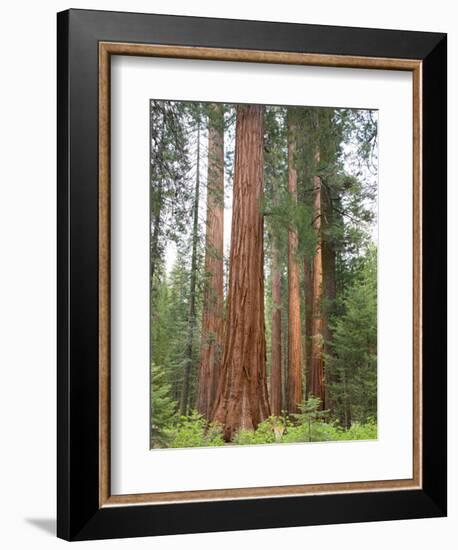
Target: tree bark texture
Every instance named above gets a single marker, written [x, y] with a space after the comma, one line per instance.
[242, 397]
[276, 366]
[316, 385]
[295, 397]
[213, 306]
[308, 310]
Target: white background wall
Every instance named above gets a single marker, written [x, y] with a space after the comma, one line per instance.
[27, 274]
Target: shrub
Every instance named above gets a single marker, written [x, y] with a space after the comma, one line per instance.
[323, 431]
[307, 426]
[269, 431]
[358, 431]
[194, 431]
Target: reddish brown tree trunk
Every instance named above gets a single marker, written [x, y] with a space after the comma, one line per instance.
[294, 312]
[316, 385]
[212, 314]
[308, 301]
[276, 367]
[284, 344]
[242, 398]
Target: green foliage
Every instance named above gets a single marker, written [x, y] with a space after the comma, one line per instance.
[162, 324]
[269, 431]
[322, 431]
[171, 189]
[358, 431]
[352, 366]
[309, 426]
[163, 408]
[316, 431]
[169, 317]
[194, 431]
[308, 417]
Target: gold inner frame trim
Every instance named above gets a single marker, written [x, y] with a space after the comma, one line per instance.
[106, 50]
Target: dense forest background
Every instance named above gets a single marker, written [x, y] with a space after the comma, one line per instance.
[263, 274]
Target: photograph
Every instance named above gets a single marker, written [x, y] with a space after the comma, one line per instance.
[263, 274]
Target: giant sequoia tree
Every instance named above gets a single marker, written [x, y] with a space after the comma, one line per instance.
[316, 383]
[213, 306]
[242, 400]
[294, 387]
[276, 339]
[275, 187]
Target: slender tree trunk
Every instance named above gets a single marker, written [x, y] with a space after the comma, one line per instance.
[212, 315]
[156, 207]
[184, 402]
[347, 405]
[284, 342]
[242, 398]
[308, 301]
[316, 387]
[294, 312]
[276, 367]
[329, 283]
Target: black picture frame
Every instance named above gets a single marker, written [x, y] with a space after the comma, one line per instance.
[79, 515]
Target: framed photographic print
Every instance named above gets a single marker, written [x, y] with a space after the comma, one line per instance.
[252, 274]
